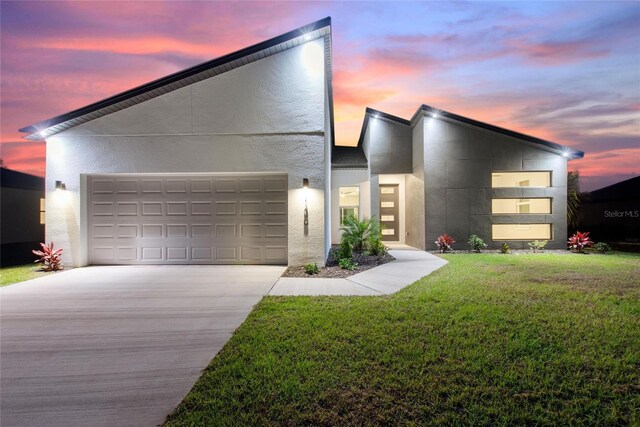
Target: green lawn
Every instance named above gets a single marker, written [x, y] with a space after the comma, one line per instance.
[10, 275]
[488, 339]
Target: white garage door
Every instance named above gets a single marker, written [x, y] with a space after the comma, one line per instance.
[187, 219]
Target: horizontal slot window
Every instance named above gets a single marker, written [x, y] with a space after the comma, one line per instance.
[521, 206]
[521, 231]
[520, 179]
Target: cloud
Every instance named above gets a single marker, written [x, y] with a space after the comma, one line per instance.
[558, 53]
[546, 69]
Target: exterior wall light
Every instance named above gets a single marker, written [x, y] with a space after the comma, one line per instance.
[60, 186]
[305, 188]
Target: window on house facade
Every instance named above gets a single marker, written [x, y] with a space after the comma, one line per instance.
[349, 202]
[520, 179]
[521, 231]
[43, 207]
[521, 206]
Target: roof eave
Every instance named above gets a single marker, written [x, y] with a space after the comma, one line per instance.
[41, 130]
[376, 114]
[559, 149]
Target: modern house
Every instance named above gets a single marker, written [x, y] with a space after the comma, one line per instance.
[22, 213]
[443, 173]
[233, 161]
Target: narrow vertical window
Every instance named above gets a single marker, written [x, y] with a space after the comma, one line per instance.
[349, 202]
[43, 207]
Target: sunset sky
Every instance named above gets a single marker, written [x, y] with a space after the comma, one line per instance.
[566, 72]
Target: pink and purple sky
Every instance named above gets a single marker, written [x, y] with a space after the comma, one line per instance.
[568, 72]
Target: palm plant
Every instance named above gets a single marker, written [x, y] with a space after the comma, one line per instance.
[573, 199]
[357, 232]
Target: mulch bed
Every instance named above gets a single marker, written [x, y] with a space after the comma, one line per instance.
[332, 270]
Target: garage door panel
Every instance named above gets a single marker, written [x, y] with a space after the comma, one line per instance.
[200, 219]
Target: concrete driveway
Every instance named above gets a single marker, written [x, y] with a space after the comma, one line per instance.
[117, 345]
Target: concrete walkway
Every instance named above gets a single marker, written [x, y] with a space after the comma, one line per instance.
[117, 346]
[410, 265]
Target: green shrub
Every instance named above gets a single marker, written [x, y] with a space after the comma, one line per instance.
[601, 247]
[311, 268]
[357, 232]
[538, 245]
[476, 243]
[374, 241]
[345, 250]
[347, 264]
[505, 249]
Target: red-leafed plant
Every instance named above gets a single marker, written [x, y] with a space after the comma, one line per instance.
[444, 243]
[579, 241]
[50, 258]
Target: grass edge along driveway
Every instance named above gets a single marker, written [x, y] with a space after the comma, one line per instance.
[20, 273]
[486, 340]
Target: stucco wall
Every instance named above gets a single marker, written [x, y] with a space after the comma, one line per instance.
[459, 160]
[348, 178]
[267, 116]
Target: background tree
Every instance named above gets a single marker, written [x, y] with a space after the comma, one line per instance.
[573, 199]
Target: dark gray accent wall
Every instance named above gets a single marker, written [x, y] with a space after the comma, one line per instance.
[458, 162]
[21, 230]
[388, 147]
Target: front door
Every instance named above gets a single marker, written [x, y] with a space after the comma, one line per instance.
[389, 212]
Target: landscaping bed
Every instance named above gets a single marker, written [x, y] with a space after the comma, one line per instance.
[333, 270]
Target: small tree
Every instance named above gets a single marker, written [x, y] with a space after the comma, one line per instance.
[573, 199]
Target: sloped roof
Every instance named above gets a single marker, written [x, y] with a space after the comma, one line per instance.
[568, 152]
[348, 158]
[627, 189]
[321, 28]
[15, 179]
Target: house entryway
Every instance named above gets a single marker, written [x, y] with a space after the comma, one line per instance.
[390, 212]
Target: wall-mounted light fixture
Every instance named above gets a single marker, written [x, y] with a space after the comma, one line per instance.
[305, 188]
[60, 185]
